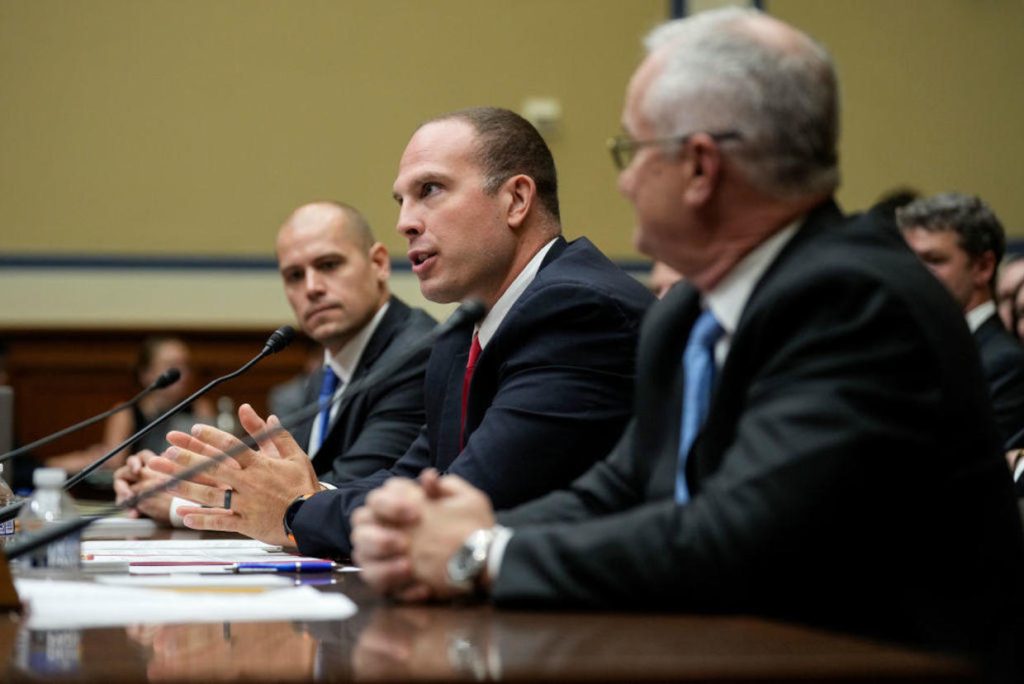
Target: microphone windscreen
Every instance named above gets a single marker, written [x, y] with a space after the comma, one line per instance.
[279, 339]
[473, 310]
[167, 378]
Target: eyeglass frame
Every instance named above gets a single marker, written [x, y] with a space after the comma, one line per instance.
[620, 145]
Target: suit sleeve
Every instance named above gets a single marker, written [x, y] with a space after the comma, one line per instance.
[609, 486]
[321, 526]
[816, 470]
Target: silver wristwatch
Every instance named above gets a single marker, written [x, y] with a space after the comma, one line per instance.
[466, 566]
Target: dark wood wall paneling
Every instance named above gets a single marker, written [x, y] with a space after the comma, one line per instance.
[60, 377]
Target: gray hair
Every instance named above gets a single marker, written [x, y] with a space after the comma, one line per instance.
[782, 97]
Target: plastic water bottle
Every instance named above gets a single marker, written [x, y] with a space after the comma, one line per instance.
[6, 499]
[50, 505]
[226, 415]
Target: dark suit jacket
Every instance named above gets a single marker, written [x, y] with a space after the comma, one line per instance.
[1002, 360]
[374, 424]
[849, 473]
[550, 395]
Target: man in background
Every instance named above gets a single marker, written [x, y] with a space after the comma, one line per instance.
[961, 241]
[335, 276]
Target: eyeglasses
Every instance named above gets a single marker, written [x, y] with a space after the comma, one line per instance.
[623, 148]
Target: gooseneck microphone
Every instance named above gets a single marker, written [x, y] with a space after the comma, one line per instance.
[277, 341]
[468, 313]
[166, 379]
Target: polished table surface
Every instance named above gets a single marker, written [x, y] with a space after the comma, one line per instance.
[385, 641]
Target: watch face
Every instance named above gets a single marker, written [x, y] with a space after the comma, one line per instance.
[466, 564]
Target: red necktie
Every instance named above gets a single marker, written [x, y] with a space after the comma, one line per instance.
[474, 354]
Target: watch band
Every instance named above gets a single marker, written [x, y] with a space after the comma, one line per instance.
[290, 513]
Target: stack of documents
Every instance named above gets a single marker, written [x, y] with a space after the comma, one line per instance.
[171, 556]
[78, 605]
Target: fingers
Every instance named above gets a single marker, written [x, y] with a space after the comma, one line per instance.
[208, 496]
[386, 576]
[375, 542]
[416, 593]
[255, 426]
[398, 502]
[283, 442]
[430, 481]
[211, 521]
[182, 511]
[209, 442]
[216, 472]
[451, 485]
[122, 490]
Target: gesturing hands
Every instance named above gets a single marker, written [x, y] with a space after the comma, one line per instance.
[263, 483]
[404, 535]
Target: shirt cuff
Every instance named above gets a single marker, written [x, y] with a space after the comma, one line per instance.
[176, 503]
[496, 553]
[326, 486]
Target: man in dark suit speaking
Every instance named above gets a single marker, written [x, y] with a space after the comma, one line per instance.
[523, 404]
[335, 277]
[811, 438]
[961, 241]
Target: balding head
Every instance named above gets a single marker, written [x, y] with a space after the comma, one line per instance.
[329, 212]
[335, 276]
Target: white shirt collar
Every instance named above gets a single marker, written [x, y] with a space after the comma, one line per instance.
[345, 361]
[728, 299]
[494, 317]
[980, 314]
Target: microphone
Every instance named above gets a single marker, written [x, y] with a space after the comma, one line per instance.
[467, 313]
[166, 379]
[275, 343]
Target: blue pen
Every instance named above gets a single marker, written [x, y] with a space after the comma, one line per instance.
[286, 566]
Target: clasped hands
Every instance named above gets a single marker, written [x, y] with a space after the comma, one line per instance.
[404, 535]
[263, 482]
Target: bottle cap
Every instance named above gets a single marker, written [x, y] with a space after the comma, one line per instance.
[49, 477]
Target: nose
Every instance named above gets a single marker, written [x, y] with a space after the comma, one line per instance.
[314, 284]
[409, 223]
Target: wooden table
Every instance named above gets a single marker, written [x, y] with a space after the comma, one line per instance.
[471, 642]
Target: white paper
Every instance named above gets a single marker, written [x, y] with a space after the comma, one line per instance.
[171, 554]
[198, 582]
[120, 527]
[77, 605]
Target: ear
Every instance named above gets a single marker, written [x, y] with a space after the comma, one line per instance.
[703, 162]
[520, 193]
[983, 268]
[380, 261]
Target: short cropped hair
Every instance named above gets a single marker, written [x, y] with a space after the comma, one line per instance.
[509, 145]
[719, 75]
[356, 223]
[977, 228]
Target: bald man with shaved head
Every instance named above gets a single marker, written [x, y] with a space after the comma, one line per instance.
[335, 276]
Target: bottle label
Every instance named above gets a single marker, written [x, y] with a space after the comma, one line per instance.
[7, 529]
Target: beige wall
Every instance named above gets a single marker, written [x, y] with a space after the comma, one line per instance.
[932, 95]
[193, 126]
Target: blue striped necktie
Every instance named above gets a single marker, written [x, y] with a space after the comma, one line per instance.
[699, 377]
[327, 389]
